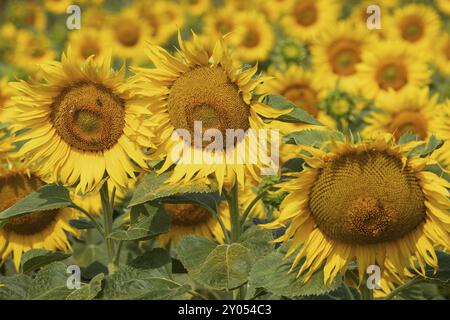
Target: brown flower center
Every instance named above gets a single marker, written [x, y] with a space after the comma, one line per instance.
[412, 28]
[14, 187]
[409, 121]
[187, 214]
[88, 116]
[343, 56]
[127, 32]
[366, 197]
[305, 13]
[303, 96]
[392, 74]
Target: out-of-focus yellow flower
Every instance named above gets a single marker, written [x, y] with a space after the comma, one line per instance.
[307, 19]
[412, 110]
[441, 53]
[416, 25]
[223, 22]
[27, 15]
[31, 50]
[443, 5]
[88, 41]
[336, 54]
[57, 6]
[391, 65]
[196, 7]
[257, 37]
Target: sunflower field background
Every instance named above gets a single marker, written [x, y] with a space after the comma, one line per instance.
[94, 203]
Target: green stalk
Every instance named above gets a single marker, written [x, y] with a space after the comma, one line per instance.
[108, 211]
[233, 202]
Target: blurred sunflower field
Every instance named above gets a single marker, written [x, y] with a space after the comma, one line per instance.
[99, 99]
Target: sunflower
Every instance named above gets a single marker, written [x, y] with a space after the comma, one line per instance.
[301, 88]
[5, 96]
[273, 9]
[94, 17]
[391, 65]
[412, 111]
[85, 124]
[86, 42]
[213, 91]
[31, 50]
[27, 14]
[256, 35]
[128, 34]
[37, 230]
[336, 54]
[441, 126]
[359, 15]
[307, 19]
[192, 219]
[365, 202]
[417, 25]
[441, 56]
[223, 22]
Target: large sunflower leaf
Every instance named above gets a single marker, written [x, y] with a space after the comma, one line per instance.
[88, 291]
[296, 115]
[220, 267]
[14, 287]
[272, 274]
[50, 283]
[428, 148]
[146, 222]
[49, 197]
[35, 259]
[153, 187]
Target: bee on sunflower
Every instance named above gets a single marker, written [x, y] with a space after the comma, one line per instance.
[83, 124]
[369, 202]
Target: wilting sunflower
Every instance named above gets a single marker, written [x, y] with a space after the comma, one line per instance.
[301, 88]
[337, 52]
[441, 56]
[85, 124]
[367, 202]
[391, 65]
[192, 219]
[412, 111]
[128, 34]
[86, 42]
[31, 50]
[417, 25]
[37, 230]
[207, 90]
[307, 19]
[256, 37]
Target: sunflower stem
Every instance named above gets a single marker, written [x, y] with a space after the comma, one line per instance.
[233, 202]
[91, 218]
[108, 211]
[252, 204]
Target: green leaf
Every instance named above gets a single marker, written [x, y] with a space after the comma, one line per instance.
[82, 224]
[50, 283]
[443, 272]
[271, 273]
[146, 224]
[425, 150]
[88, 291]
[155, 258]
[313, 138]
[49, 197]
[407, 137]
[296, 115]
[153, 187]
[220, 267]
[14, 287]
[131, 283]
[207, 200]
[258, 241]
[41, 259]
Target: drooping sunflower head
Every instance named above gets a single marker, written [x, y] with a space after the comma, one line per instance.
[193, 219]
[391, 65]
[85, 125]
[37, 230]
[202, 88]
[367, 202]
[411, 111]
